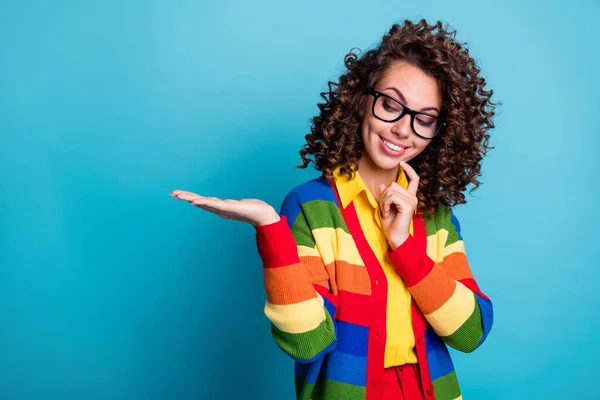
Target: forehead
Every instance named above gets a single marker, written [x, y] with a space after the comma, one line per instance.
[418, 88]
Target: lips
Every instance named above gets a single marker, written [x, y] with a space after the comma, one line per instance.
[389, 151]
[394, 143]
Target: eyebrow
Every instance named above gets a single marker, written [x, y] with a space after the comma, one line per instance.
[403, 99]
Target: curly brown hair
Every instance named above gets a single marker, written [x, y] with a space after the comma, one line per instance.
[453, 158]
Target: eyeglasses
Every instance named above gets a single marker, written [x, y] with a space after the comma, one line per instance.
[388, 109]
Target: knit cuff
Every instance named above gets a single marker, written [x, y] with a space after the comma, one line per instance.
[276, 244]
[411, 262]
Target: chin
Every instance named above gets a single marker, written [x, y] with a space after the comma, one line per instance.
[388, 164]
[385, 161]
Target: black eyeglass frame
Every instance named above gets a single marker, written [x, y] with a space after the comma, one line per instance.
[376, 94]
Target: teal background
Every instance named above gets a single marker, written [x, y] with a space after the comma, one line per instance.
[111, 289]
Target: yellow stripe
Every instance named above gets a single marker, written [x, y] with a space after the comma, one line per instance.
[454, 312]
[307, 251]
[298, 317]
[456, 247]
[336, 244]
[435, 245]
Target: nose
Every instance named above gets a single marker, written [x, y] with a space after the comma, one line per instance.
[402, 128]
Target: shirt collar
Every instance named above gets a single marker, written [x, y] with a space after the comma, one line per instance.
[348, 188]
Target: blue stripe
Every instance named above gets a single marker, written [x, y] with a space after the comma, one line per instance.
[290, 207]
[316, 189]
[438, 358]
[454, 220]
[330, 307]
[487, 316]
[310, 372]
[352, 339]
[346, 368]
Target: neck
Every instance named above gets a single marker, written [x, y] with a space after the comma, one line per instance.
[373, 176]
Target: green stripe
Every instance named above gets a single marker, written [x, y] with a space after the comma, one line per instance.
[303, 390]
[444, 221]
[302, 233]
[467, 337]
[334, 390]
[446, 387]
[324, 214]
[306, 345]
[430, 223]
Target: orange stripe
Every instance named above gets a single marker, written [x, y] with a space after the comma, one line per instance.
[434, 290]
[319, 274]
[457, 266]
[286, 285]
[315, 269]
[352, 278]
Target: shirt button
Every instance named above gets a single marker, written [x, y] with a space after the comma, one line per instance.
[421, 340]
[430, 389]
[377, 281]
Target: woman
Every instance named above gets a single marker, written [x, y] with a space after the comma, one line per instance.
[365, 272]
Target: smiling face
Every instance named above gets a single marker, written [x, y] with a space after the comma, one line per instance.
[388, 143]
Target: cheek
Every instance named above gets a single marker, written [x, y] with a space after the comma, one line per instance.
[372, 127]
[421, 144]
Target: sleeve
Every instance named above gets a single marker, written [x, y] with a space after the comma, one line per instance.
[445, 289]
[299, 303]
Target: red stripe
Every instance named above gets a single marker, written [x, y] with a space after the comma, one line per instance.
[472, 285]
[276, 244]
[354, 308]
[324, 292]
[410, 258]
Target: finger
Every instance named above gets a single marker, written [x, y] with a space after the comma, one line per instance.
[397, 200]
[212, 202]
[183, 195]
[385, 202]
[388, 202]
[176, 193]
[413, 185]
[380, 190]
[397, 188]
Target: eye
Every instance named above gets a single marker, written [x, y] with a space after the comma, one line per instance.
[425, 120]
[389, 105]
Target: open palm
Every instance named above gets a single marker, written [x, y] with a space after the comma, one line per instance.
[252, 211]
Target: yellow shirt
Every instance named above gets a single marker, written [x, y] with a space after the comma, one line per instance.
[400, 341]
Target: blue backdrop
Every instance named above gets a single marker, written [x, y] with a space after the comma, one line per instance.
[111, 289]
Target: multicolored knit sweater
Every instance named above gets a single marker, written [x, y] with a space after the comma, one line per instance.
[326, 296]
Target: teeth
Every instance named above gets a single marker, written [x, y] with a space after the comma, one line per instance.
[392, 146]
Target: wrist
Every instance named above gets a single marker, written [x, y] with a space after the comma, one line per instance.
[398, 241]
[268, 219]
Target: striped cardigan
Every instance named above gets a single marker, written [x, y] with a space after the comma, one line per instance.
[327, 294]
